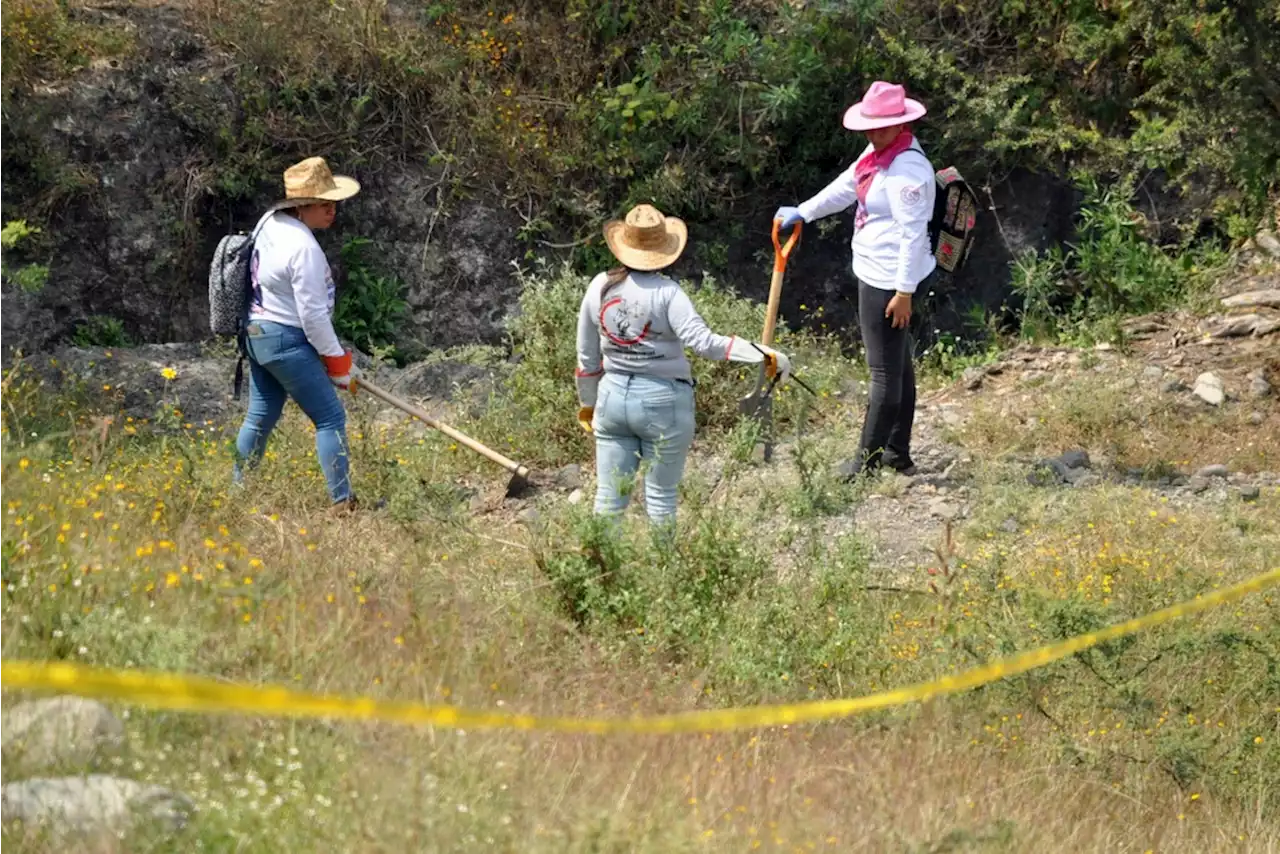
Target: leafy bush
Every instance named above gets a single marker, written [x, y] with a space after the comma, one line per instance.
[31, 277]
[39, 38]
[534, 410]
[100, 330]
[1115, 268]
[371, 306]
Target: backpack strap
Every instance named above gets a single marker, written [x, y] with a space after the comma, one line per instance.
[242, 344]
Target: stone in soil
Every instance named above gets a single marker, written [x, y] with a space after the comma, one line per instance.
[1215, 470]
[569, 477]
[59, 731]
[1209, 388]
[1198, 484]
[944, 509]
[1086, 480]
[96, 806]
[1249, 493]
[972, 378]
[1259, 387]
[575, 497]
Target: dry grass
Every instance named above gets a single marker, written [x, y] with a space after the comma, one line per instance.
[146, 559]
[1132, 423]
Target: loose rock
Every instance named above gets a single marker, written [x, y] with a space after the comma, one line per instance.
[1209, 388]
[1259, 386]
[944, 509]
[1249, 493]
[529, 516]
[1268, 243]
[972, 378]
[1245, 324]
[1075, 459]
[1269, 298]
[1198, 484]
[69, 731]
[1215, 470]
[96, 806]
[569, 477]
[575, 497]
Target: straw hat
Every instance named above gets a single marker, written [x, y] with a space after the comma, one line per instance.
[646, 240]
[884, 105]
[310, 182]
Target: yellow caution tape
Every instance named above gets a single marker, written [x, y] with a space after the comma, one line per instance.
[196, 694]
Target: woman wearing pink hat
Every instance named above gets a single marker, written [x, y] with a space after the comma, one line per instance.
[892, 183]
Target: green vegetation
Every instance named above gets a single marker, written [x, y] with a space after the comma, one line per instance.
[122, 548]
[30, 278]
[371, 304]
[43, 39]
[100, 330]
[1115, 268]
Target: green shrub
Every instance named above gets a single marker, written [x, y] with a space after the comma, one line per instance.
[371, 306]
[534, 409]
[30, 278]
[100, 330]
[1115, 268]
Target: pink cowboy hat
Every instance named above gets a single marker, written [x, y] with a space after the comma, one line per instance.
[884, 105]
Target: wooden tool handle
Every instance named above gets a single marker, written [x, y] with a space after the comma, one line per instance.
[421, 414]
[780, 255]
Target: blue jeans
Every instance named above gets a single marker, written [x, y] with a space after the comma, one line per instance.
[641, 418]
[283, 364]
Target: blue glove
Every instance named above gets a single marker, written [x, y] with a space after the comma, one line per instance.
[789, 216]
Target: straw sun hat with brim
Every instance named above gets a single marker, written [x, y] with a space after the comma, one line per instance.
[310, 182]
[646, 240]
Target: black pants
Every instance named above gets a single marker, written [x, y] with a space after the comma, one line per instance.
[886, 434]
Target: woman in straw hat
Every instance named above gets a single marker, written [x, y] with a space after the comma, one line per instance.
[634, 384]
[292, 348]
[892, 183]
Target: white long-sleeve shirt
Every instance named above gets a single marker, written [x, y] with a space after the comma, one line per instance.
[891, 247]
[641, 326]
[292, 282]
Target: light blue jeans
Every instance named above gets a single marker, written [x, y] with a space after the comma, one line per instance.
[283, 364]
[641, 418]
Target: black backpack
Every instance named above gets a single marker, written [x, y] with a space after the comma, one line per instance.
[955, 214]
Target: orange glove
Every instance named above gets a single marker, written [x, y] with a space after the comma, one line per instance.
[585, 414]
[339, 369]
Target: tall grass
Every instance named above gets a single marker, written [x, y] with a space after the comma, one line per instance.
[127, 548]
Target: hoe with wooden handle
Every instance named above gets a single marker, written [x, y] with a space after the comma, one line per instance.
[759, 404]
[519, 474]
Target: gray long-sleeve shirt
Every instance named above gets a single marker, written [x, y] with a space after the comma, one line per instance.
[641, 326]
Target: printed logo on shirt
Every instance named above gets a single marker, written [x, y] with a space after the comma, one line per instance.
[912, 196]
[333, 290]
[625, 324]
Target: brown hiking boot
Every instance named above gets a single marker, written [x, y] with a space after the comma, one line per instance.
[345, 508]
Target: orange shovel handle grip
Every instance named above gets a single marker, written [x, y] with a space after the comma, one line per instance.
[781, 251]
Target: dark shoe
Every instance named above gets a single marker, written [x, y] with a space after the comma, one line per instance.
[345, 508]
[902, 465]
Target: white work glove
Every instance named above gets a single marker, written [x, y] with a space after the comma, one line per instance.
[776, 364]
[341, 369]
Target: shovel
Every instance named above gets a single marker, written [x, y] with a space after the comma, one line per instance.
[759, 404]
[519, 474]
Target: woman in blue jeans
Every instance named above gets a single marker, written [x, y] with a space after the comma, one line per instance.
[634, 385]
[292, 348]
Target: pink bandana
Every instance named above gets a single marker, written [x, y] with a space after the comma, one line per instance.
[866, 169]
